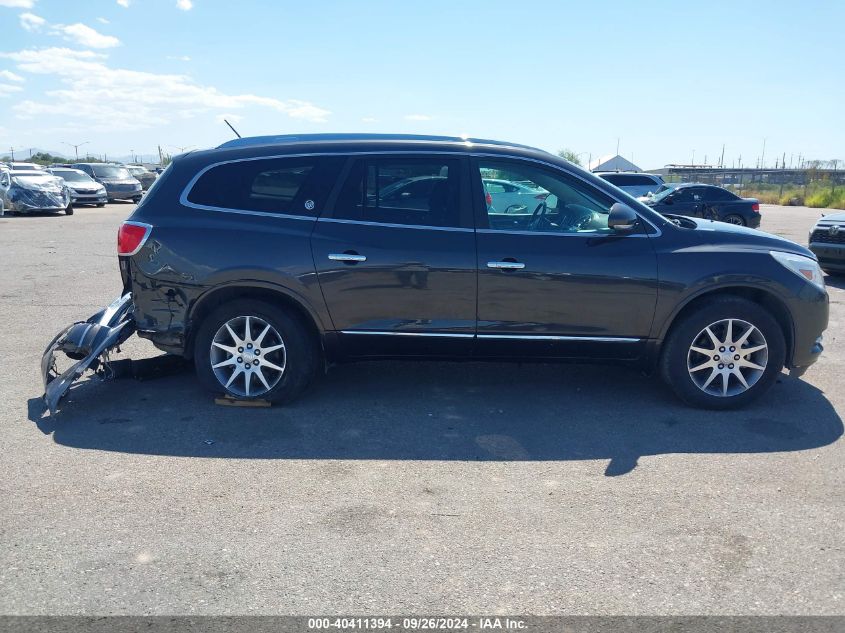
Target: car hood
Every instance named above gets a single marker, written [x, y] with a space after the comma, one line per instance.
[84, 186]
[118, 181]
[833, 217]
[731, 237]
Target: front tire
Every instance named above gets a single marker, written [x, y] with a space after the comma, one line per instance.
[250, 350]
[100, 205]
[69, 210]
[723, 355]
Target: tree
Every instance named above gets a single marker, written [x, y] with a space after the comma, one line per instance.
[571, 156]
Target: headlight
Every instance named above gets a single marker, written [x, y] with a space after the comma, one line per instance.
[805, 267]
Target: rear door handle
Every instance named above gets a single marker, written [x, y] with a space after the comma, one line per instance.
[505, 265]
[347, 257]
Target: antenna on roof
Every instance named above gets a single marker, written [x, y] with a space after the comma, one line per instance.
[231, 128]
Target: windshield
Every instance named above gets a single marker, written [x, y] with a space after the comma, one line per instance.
[136, 170]
[662, 193]
[36, 180]
[111, 171]
[72, 176]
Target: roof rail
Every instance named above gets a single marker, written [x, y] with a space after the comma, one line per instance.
[251, 141]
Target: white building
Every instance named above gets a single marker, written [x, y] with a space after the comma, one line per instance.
[613, 163]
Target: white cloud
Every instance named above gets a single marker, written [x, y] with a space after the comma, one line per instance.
[32, 22]
[18, 4]
[6, 90]
[124, 3]
[85, 36]
[103, 21]
[181, 58]
[369, 119]
[417, 117]
[8, 75]
[106, 98]
[185, 5]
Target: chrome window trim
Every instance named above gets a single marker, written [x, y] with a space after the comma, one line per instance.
[183, 198]
[574, 175]
[561, 234]
[456, 229]
[506, 337]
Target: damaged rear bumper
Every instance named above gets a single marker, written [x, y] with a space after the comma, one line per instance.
[89, 343]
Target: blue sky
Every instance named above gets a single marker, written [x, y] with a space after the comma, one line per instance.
[666, 78]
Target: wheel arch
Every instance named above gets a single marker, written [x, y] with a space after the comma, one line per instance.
[206, 303]
[760, 296]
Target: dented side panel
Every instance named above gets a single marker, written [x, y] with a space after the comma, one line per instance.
[194, 252]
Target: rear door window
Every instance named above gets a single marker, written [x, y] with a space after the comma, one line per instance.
[407, 191]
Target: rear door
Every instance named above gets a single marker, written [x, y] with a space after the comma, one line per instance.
[398, 271]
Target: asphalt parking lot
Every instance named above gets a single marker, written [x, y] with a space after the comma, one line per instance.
[403, 488]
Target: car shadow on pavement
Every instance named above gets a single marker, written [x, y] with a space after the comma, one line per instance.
[441, 411]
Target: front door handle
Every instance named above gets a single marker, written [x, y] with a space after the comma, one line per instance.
[349, 258]
[506, 265]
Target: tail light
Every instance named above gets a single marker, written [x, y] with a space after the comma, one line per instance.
[131, 237]
[755, 207]
[488, 198]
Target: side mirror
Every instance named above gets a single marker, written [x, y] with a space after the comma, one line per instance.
[622, 217]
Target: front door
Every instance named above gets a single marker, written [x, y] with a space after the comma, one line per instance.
[554, 280]
[395, 257]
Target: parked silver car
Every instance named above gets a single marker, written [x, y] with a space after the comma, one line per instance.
[634, 184]
[83, 188]
[32, 191]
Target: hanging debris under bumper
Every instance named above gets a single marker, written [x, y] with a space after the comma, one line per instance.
[88, 343]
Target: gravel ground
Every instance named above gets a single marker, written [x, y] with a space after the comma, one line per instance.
[403, 488]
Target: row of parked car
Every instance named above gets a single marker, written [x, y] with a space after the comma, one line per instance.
[28, 187]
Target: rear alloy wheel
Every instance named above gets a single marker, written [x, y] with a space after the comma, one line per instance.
[723, 355]
[253, 350]
[734, 219]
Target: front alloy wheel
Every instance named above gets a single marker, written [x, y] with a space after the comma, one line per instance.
[723, 353]
[727, 357]
[248, 356]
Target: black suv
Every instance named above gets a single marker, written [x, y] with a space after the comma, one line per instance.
[266, 259]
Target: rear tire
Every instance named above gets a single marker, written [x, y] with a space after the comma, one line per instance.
[679, 361]
[298, 357]
[738, 220]
[100, 205]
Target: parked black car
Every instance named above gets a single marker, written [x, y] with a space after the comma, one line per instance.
[265, 259]
[707, 201]
[827, 241]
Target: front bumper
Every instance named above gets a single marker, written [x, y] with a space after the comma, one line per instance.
[89, 343]
[89, 198]
[123, 192]
[35, 201]
[831, 255]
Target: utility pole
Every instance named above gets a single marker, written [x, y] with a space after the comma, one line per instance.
[76, 147]
[722, 159]
[692, 161]
[617, 146]
[763, 155]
